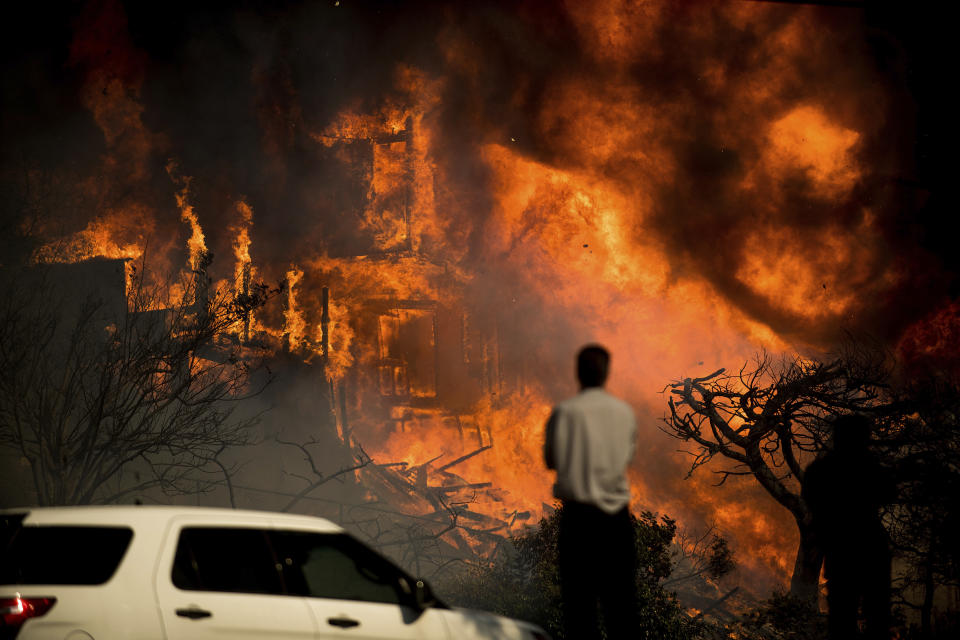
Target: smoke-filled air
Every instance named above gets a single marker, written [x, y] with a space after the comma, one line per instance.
[433, 205]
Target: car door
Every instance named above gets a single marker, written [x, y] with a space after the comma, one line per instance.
[352, 591]
[225, 582]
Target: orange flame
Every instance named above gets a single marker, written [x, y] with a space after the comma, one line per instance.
[807, 140]
[196, 242]
[340, 357]
[98, 239]
[294, 326]
[241, 246]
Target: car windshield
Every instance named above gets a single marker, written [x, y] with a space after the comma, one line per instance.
[60, 554]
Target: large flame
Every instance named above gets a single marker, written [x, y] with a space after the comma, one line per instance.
[685, 225]
[242, 272]
[197, 242]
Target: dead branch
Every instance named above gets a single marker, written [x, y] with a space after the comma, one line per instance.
[360, 456]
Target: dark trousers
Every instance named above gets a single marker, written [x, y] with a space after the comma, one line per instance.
[598, 569]
[858, 575]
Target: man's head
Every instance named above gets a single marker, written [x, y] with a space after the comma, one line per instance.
[593, 365]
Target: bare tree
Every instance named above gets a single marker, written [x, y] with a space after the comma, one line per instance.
[318, 477]
[769, 420]
[103, 399]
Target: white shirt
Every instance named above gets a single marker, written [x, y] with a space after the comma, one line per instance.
[590, 442]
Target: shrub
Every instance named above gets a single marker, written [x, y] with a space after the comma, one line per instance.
[523, 581]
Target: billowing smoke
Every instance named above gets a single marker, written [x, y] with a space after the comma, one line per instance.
[685, 182]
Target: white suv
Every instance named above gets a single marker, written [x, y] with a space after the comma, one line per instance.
[142, 572]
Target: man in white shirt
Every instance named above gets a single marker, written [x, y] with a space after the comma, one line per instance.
[590, 442]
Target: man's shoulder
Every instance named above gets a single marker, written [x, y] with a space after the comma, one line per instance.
[623, 404]
[592, 398]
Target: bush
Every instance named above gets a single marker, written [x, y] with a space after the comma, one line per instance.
[524, 581]
[781, 617]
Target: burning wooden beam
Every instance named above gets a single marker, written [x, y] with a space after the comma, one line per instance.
[457, 487]
[464, 458]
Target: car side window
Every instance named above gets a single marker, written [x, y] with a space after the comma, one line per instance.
[337, 566]
[226, 559]
[60, 554]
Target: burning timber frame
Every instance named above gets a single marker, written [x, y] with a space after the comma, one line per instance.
[432, 364]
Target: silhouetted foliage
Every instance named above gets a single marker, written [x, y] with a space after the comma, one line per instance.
[780, 617]
[708, 554]
[923, 442]
[524, 582]
[770, 419]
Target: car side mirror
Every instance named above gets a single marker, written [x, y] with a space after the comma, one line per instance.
[423, 595]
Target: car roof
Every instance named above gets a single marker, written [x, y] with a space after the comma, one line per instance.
[156, 515]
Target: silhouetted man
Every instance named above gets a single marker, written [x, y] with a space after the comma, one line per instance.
[590, 442]
[845, 490]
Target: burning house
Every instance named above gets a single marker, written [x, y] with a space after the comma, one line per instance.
[369, 350]
[404, 354]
